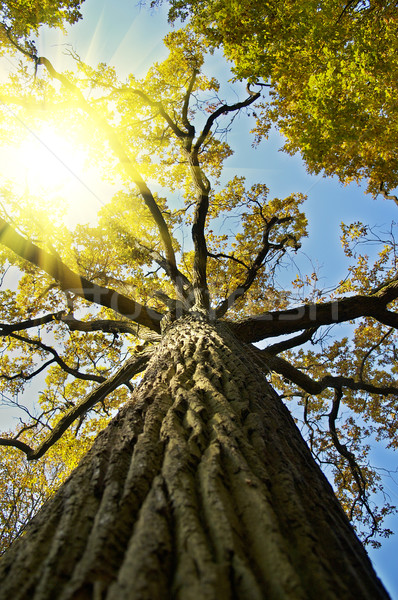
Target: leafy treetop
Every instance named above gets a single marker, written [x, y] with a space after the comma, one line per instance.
[20, 20]
[331, 67]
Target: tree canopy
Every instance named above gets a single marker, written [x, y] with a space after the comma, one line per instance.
[331, 68]
[20, 20]
[81, 306]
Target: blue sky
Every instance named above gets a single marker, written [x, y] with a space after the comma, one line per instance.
[130, 38]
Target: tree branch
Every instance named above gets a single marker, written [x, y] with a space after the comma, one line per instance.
[200, 286]
[132, 367]
[307, 316]
[185, 284]
[350, 457]
[58, 359]
[105, 325]
[284, 368]
[7, 328]
[369, 352]
[202, 186]
[228, 256]
[224, 109]
[75, 283]
[185, 107]
[110, 326]
[185, 136]
[314, 387]
[387, 196]
[254, 268]
[179, 133]
[17, 444]
[297, 340]
[21, 375]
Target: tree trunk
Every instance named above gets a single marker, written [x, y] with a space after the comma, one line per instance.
[201, 488]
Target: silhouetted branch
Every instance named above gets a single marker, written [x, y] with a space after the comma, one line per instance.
[185, 107]
[221, 110]
[105, 325]
[312, 386]
[350, 457]
[58, 359]
[75, 283]
[200, 257]
[253, 270]
[7, 328]
[308, 316]
[160, 108]
[369, 352]
[25, 377]
[17, 444]
[387, 196]
[293, 342]
[229, 257]
[132, 367]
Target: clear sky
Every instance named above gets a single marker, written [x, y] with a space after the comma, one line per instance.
[130, 38]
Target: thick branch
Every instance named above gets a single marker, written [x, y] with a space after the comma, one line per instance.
[105, 325]
[287, 370]
[7, 328]
[185, 107]
[293, 342]
[16, 444]
[110, 326]
[307, 316]
[202, 186]
[200, 258]
[75, 283]
[132, 367]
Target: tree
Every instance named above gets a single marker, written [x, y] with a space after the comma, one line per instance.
[331, 68]
[201, 485]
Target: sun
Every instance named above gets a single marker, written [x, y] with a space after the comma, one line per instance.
[50, 160]
[49, 164]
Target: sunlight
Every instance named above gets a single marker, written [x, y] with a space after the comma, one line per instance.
[47, 164]
[52, 163]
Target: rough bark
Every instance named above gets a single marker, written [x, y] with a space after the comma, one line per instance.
[201, 488]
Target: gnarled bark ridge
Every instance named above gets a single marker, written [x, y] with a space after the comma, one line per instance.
[201, 488]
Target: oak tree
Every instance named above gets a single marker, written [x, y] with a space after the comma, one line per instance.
[201, 486]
